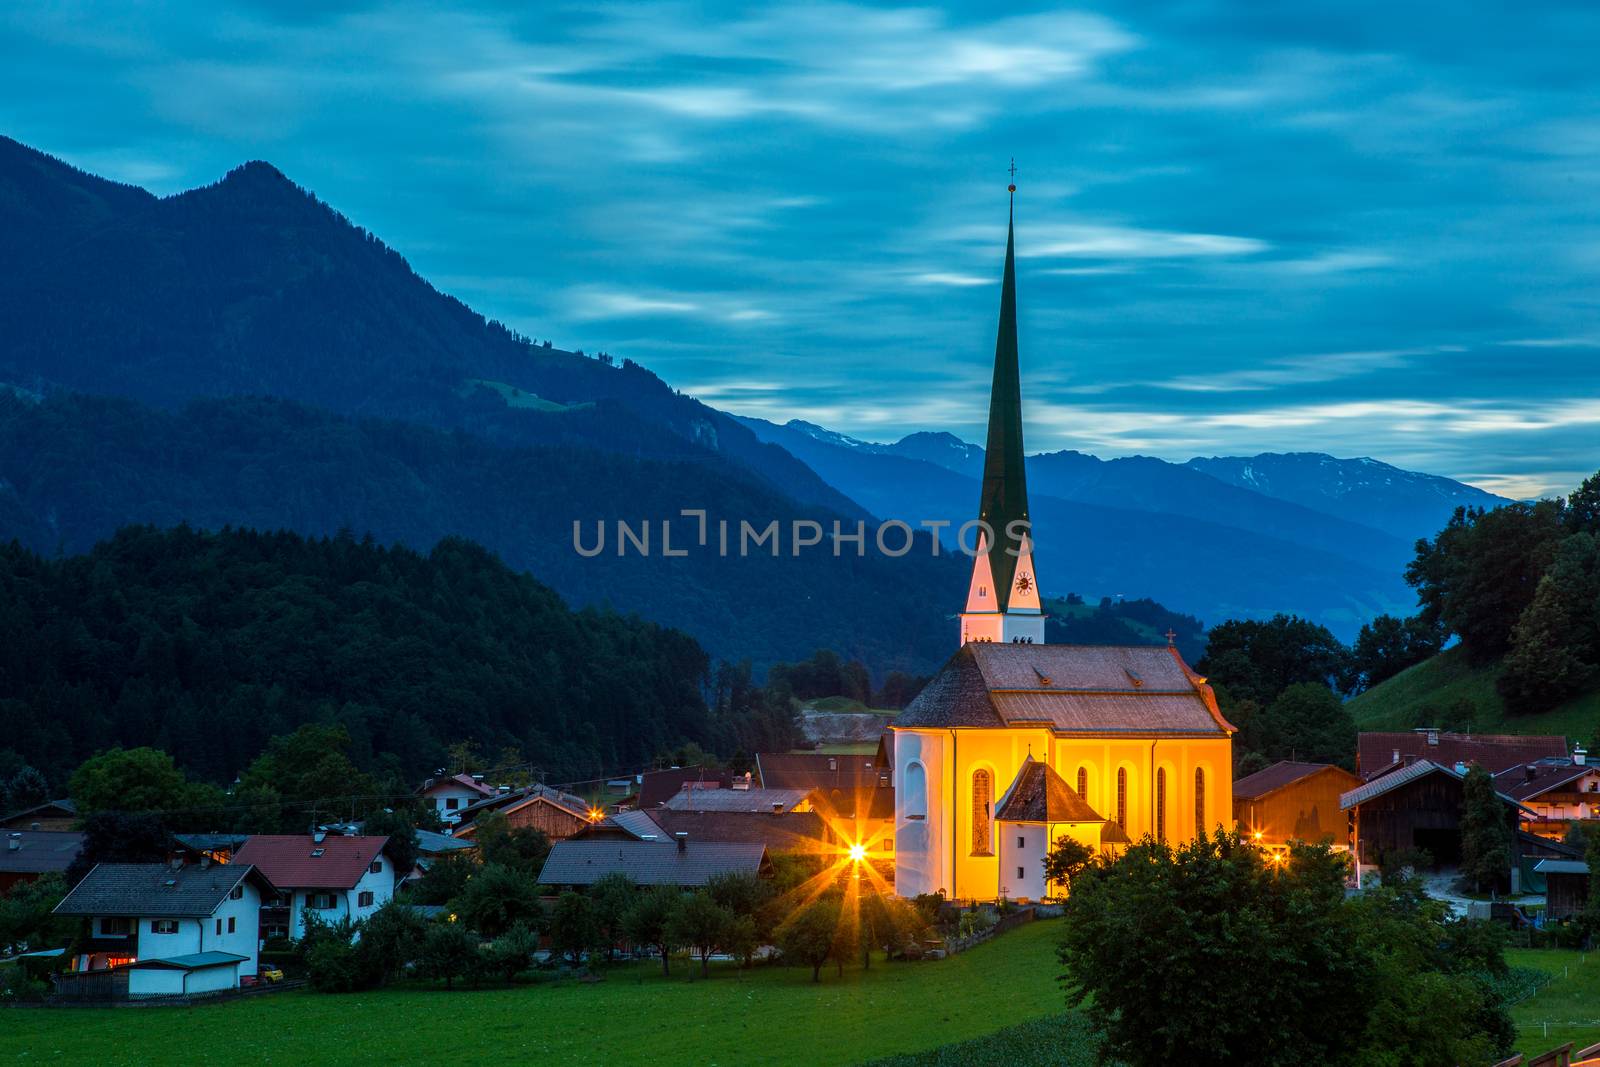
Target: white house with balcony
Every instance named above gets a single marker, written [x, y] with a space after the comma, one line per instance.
[327, 875]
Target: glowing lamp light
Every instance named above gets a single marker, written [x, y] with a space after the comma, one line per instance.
[858, 852]
[595, 814]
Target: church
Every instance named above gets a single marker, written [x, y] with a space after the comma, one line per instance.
[1016, 743]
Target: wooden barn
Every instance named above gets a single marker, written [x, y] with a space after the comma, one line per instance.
[1291, 801]
[1417, 806]
[1566, 887]
[557, 813]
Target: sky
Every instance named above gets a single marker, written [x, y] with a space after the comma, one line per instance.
[1362, 229]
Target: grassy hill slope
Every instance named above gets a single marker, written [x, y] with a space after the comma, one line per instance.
[1448, 691]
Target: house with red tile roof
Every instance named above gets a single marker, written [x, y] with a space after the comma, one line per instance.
[1380, 753]
[326, 875]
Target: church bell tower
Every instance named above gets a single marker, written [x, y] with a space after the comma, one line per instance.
[1003, 597]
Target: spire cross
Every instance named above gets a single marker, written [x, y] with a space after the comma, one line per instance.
[1012, 170]
[1170, 636]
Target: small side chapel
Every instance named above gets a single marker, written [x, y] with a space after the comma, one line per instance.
[1016, 743]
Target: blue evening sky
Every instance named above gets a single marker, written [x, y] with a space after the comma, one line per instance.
[1366, 229]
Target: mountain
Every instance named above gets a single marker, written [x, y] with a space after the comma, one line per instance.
[1401, 502]
[1140, 528]
[409, 415]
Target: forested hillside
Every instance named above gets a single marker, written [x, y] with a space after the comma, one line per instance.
[210, 644]
[73, 469]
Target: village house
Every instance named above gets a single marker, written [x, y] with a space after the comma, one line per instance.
[1556, 792]
[853, 792]
[557, 813]
[168, 928]
[657, 787]
[802, 833]
[327, 875]
[1415, 807]
[581, 861]
[31, 854]
[1379, 753]
[451, 794]
[1291, 801]
[51, 815]
[742, 796]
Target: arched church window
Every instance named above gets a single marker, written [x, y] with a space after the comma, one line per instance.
[1199, 802]
[1122, 797]
[1161, 804]
[982, 795]
[916, 792]
[1083, 782]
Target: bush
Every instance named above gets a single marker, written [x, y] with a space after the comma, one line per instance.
[511, 953]
[337, 966]
[449, 952]
[496, 899]
[17, 987]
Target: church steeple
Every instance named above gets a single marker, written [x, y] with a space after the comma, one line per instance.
[1004, 586]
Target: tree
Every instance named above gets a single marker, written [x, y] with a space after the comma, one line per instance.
[392, 938]
[449, 951]
[1387, 645]
[649, 922]
[117, 837]
[399, 825]
[1308, 722]
[701, 924]
[612, 896]
[25, 789]
[1583, 507]
[133, 779]
[807, 937]
[1143, 932]
[445, 879]
[521, 848]
[512, 952]
[1253, 660]
[310, 772]
[573, 930]
[1555, 644]
[1478, 575]
[1486, 837]
[27, 921]
[1065, 861]
[496, 899]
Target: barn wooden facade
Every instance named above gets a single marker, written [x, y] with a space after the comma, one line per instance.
[557, 813]
[1418, 806]
[1291, 801]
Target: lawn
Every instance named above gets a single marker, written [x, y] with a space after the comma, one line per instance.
[1420, 695]
[770, 1015]
[1568, 1009]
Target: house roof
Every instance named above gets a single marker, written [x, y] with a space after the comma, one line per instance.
[803, 831]
[657, 787]
[847, 782]
[194, 961]
[211, 842]
[56, 808]
[1529, 780]
[1377, 753]
[1411, 772]
[521, 798]
[300, 861]
[1280, 774]
[466, 781]
[1039, 794]
[159, 890]
[40, 851]
[1561, 867]
[636, 823]
[1091, 690]
[432, 844]
[584, 861]
[693, 798]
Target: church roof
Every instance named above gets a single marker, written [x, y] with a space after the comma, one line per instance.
[1005, 489]
[1041, 795]
[1072, 689]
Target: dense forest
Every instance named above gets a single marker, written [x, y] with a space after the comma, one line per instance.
[208, 645]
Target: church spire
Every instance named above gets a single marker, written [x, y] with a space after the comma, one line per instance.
[1003, 580]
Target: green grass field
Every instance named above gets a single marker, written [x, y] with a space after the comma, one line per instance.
[1418, 696]
[1568, 1009]
[769, 1015]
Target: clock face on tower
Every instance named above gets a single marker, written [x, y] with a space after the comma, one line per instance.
[1024, 582]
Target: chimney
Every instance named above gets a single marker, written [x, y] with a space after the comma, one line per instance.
[1396, 758]
[1580, 757]
[205, 860]
[33, 826]
[682, 837]
[777, 807]
[1531, 771]
[14, 842]
[1433, 737]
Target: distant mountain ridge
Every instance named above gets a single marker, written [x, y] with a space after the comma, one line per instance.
[1146, 527]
